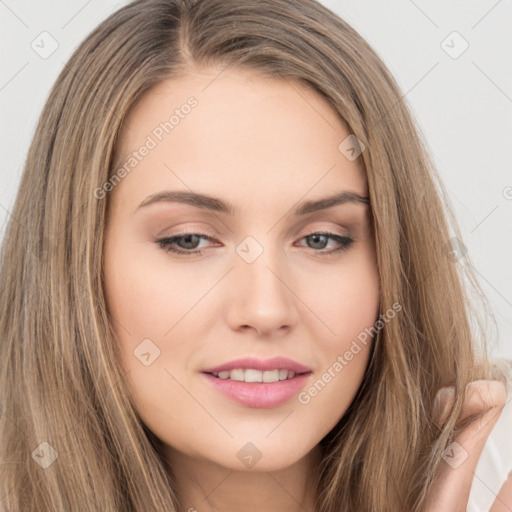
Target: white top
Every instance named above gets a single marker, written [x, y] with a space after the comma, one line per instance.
[495, 462]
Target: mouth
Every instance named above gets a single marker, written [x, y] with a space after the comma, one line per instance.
[246, 386]
[260, 383]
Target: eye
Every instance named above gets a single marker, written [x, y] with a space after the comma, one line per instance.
[321, 239]
[186, 244]
[188, 240]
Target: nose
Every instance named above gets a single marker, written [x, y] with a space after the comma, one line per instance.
[262, 297]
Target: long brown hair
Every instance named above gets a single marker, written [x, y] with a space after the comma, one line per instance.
[70, 435]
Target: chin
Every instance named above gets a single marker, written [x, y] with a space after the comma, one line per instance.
[254, 457]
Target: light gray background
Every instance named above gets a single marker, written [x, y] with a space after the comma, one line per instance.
[463, 105]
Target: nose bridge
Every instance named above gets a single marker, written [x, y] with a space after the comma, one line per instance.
[262, 295]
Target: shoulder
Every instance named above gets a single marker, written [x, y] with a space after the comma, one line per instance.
[503, 502]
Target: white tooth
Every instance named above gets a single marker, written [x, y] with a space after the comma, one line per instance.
[253, 375]
[271, 376]
[283, 374]
[237, 375]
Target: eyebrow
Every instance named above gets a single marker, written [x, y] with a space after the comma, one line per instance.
[217, 205]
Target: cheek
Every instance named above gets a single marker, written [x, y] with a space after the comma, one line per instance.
[348, 306]
[344, 359]
[345, 300]
[143, 306]
[141, 298]
[148, 308]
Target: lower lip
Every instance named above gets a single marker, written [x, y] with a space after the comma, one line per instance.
[259, 394]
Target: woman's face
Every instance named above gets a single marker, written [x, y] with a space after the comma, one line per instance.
[243, 157]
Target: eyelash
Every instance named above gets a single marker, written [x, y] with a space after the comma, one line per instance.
[166, 243]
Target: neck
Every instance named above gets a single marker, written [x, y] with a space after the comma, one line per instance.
[205, 486]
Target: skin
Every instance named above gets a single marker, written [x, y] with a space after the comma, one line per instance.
[265, 146]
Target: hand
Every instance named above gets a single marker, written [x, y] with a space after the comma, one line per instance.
[452, 484]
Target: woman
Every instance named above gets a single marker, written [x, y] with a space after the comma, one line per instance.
[255, 369]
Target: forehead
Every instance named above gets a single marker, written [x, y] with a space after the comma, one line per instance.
[221, 131]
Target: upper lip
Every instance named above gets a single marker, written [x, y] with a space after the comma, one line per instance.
[279, 362]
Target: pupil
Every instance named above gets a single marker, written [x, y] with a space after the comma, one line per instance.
[315, 240]
[187, 238]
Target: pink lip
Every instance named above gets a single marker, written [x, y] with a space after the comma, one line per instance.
[259, 394]
[260, 364]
